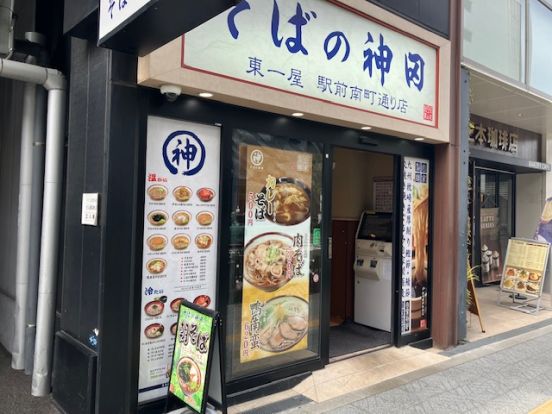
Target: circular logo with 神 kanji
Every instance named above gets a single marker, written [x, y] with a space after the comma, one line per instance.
[183, 153]
[257, 158]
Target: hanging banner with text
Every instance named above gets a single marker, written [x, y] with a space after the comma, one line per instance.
[275, 303]
[321, 50]
[415, 245]
[180, 238]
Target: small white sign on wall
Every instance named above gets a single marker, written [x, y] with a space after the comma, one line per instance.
[89, 215]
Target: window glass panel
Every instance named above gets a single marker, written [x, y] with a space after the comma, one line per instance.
[275, 254]
[540, 39]
[493, 35]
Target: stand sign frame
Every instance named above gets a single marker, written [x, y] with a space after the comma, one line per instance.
[523, 273]
[197, 379]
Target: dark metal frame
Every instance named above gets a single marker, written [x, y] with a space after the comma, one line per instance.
[232, 117]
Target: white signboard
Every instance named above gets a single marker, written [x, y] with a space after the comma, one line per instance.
[113, 13]
[180, 238]
[321, 50]
[89, 213]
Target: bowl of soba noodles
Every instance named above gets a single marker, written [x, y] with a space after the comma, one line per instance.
[269, 261]
[290, 200]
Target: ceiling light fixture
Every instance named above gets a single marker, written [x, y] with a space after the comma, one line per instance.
[366, 128]
[297, 114]
[419, 139]
[206, 95]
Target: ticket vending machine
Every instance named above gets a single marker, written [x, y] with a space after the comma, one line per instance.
[373, 271]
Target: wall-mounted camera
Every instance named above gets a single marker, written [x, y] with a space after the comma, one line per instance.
[171, 92]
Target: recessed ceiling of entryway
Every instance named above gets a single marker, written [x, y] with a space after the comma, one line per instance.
[509, 104]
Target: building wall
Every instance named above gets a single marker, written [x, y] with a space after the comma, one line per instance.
[352, 181]
[11, 104]
[529, 203]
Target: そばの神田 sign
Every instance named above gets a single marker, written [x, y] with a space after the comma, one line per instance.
[321, 50]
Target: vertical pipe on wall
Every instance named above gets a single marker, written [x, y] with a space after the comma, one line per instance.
[24, 224]
[36, 225]
[55, 139]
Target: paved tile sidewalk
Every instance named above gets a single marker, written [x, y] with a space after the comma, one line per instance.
[15, 391]
[508, 379]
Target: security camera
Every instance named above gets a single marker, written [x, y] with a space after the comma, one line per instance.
[171, 92]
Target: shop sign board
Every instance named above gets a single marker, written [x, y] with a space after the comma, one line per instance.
[322, 50]
[275, 302]
[415, 245]
[525, 267]
[181, 209]
[506, 139]
[116, 13]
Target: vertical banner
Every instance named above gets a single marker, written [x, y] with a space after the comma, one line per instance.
[275, 303]
[415, 238]
[491, 255]
[180, 238]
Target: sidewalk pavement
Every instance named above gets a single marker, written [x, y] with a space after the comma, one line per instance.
[507, 377]
[15, 391]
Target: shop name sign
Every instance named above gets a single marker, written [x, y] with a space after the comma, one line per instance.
[496, 138]
[115, 13]
[322, 50]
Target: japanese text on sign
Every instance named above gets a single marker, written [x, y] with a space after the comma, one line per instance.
[319, 49]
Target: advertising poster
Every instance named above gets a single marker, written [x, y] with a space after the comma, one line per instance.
[275, 307]
[544, 229]
[180, 238]
[415, 238]
[525, 267]
[491, 266]
[191, 356]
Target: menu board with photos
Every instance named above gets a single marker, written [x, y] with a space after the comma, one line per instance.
[383, 194]
[275, 302]
[525, 267]
[415, 244]
[180, 238]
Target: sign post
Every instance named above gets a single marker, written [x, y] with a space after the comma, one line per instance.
[524, 271]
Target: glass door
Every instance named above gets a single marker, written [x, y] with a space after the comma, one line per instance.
[494, 221]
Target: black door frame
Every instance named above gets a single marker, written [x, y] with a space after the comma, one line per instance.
[230, 117]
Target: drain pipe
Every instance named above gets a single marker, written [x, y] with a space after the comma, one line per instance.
[24, 222]
[54, 82]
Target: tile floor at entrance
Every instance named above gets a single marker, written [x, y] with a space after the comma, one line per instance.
[499, 319]
[352, 374]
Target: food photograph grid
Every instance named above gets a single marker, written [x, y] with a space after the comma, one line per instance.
[522, 281]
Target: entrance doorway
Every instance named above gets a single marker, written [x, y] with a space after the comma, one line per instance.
[361, 309]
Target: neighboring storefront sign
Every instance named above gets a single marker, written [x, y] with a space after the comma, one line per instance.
[525, 267]
[189, 373]
[115, 13]
[506, 139]
[180, 238]
[321, 50]
[415, 245]
[491, 254]
[275, 302]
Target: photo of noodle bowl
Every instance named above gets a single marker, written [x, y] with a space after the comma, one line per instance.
[157, 192]
[156, 266]
[290, 203]
[157, 242]
[203, 241]
[182, 194]
[283, 323]
[180, 241]
[269, 261]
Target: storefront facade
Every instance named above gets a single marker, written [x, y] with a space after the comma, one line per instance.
[184, 181]
[261, 69]
[502, 158]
